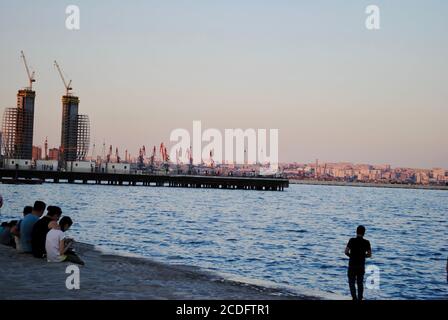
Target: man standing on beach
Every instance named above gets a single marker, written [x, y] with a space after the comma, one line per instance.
[26, 227]
[358, 249]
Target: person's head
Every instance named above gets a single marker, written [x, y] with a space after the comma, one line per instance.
[27, 210]
[12, 223]
[54, 212]
[65, 223]
[360, 231]
[39, 208]
[4, 224]
[53, 225]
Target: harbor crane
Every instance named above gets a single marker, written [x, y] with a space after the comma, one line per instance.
[117, 155]
[30, 74]
[67, 86]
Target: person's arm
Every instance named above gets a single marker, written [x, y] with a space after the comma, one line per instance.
[347, 249]
[369, 251]
[15, 231]
[62, 248]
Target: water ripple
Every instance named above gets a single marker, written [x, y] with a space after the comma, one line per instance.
[296, 237]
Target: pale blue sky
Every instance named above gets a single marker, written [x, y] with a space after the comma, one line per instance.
[336, 91]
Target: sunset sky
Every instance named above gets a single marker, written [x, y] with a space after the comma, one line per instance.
[335, 90]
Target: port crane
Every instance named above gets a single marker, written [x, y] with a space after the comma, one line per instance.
[31, 78]
[141, 158]
[46, 148]
[189, 154]
[109, 154]
[67, 86]
[117, 155]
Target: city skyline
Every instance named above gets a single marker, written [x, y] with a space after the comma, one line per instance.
[373, 98]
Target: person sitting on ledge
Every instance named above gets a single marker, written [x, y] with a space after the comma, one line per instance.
[58, 246]
[41, 229]
[16, 230]
[27, 224]
[6, 237]
[2, 226]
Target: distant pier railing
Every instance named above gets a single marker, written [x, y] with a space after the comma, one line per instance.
[184, 181]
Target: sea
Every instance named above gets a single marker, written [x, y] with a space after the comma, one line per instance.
[293, 240]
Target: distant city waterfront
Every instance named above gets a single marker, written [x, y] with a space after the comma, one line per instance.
[375, 175]
[293, 239]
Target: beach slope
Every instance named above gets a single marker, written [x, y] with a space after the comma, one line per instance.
[111, 276]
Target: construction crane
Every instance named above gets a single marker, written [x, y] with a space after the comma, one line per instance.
[189, 154]
[163, 153]
[109, 154]
[46, 148]
[153, 156]
[30, 74]
[117, 155]
[67, 86]
[212, 162]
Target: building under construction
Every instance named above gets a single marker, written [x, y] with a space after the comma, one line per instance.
[75, 129]
[18, 122]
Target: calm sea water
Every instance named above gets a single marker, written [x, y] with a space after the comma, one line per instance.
[295, 238]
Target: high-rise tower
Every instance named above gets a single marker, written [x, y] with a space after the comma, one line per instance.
[25, 123]
[69, 134]
[18, 123]
[75, 129]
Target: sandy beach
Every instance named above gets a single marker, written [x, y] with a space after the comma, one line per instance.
[111, 276]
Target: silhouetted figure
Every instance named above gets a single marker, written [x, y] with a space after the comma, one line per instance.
[16, 230]
[27, 224]
[358, 249]
[40, 230]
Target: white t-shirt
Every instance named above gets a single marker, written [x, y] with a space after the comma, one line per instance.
[52, 245]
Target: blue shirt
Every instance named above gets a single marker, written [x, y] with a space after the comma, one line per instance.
[26, 227]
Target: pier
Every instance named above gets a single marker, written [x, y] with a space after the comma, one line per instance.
[180, 181]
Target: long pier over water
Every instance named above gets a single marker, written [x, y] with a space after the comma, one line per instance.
[184, 181]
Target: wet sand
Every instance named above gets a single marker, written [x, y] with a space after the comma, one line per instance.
[111, 276]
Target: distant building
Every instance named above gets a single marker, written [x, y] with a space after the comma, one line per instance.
[80, 166]
[113, 167]
[47, 165]
[438, 174]
[53, 154]
[37, 153]
[18, 126]
[19, 164]
[75, 135]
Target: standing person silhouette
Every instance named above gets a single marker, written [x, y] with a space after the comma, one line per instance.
[358, 249]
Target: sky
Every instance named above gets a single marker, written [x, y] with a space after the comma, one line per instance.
[335, 90]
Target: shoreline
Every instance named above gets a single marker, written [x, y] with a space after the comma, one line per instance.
[367, 185]
[108, 275]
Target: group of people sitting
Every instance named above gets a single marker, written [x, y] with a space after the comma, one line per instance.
[41, 235]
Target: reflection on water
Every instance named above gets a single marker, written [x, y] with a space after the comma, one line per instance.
[296, 237]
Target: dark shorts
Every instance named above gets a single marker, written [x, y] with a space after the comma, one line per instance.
[355, 271]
